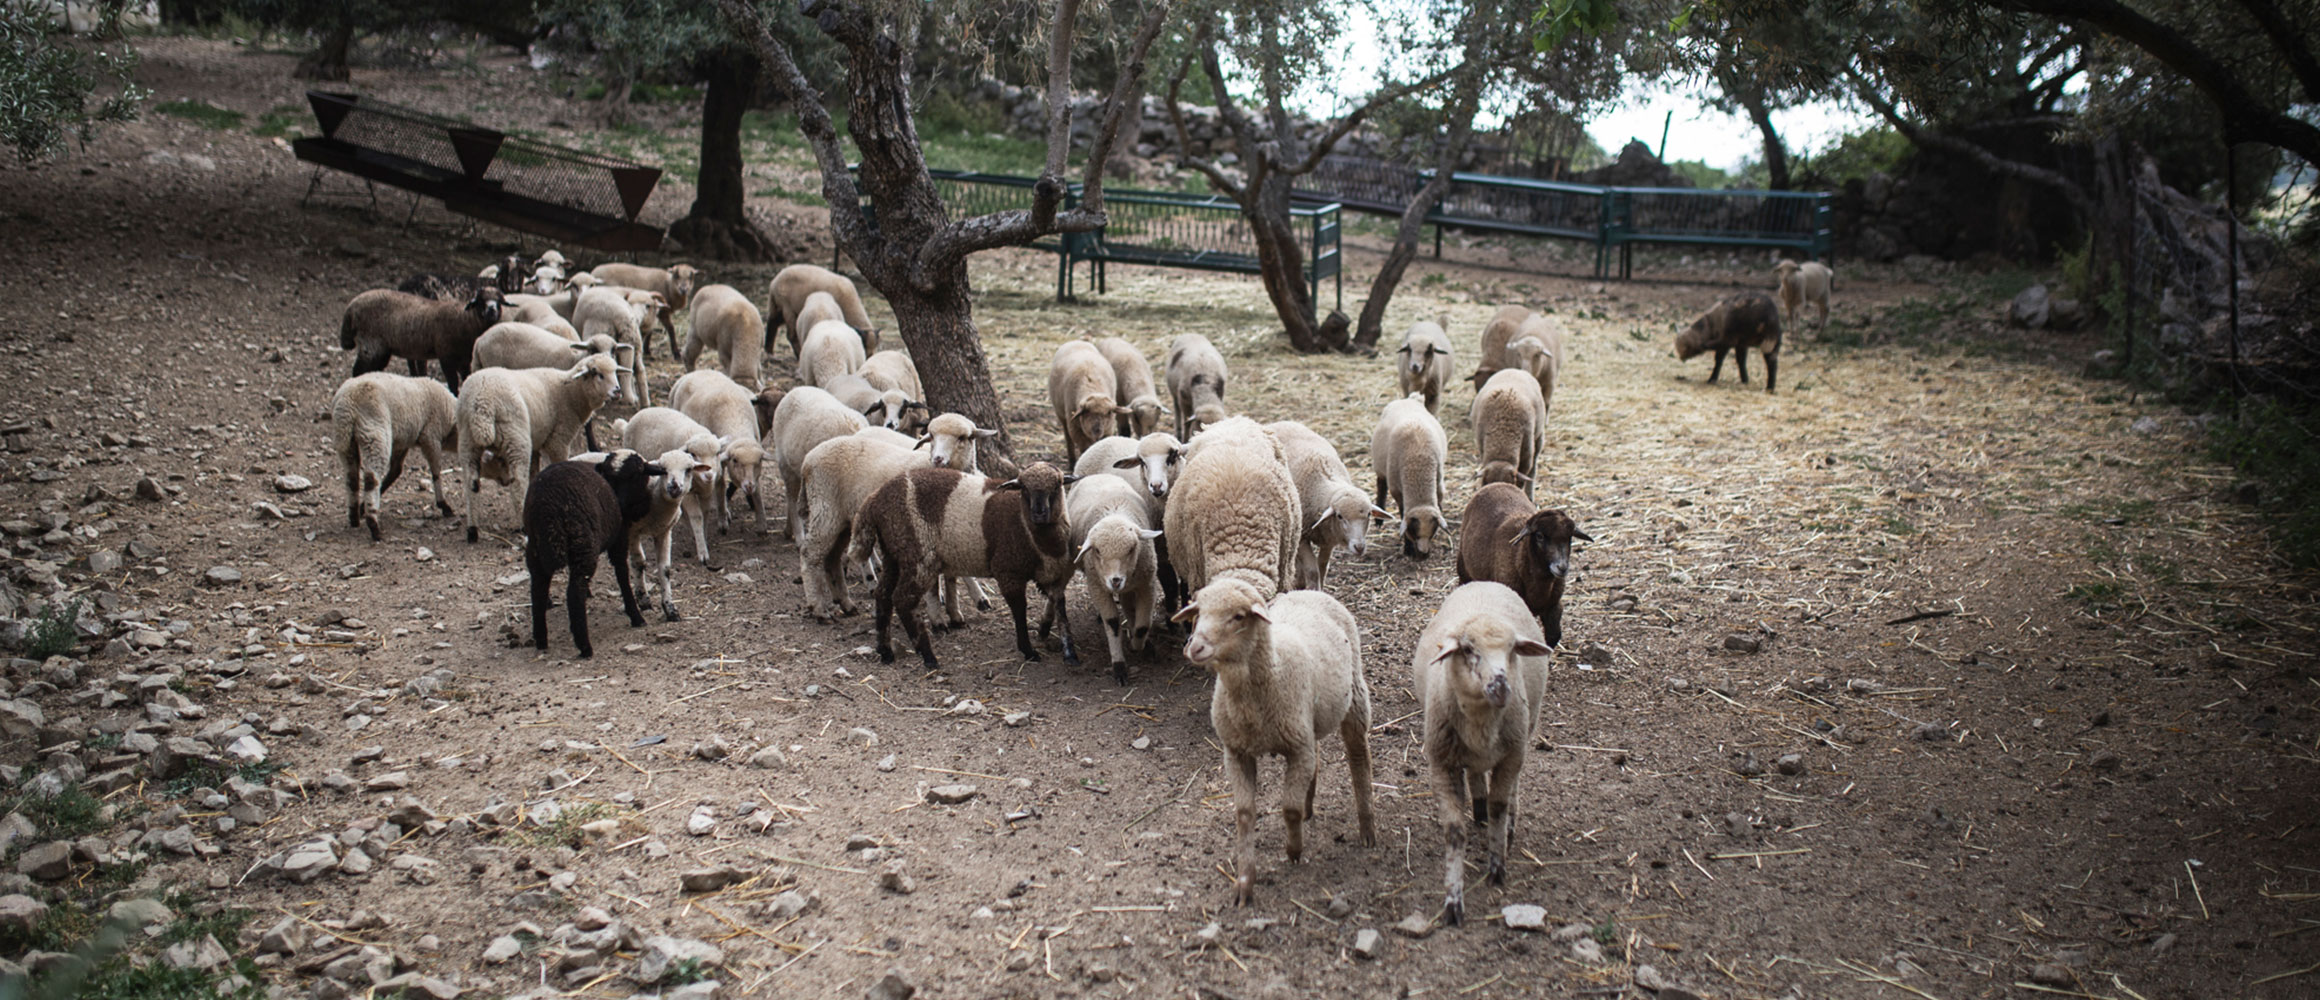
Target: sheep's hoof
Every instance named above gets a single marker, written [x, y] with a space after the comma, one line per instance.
[373, 524]
[1454, 910]
[1244, 891]
[445, 508]
[885, 655]
[1030, 655]
[472, 536]
[1497, 870]
[636, 621]
[982, 604]
[670, 615]
[1120, 673]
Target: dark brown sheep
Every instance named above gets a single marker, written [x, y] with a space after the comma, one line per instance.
[383, 324]
[574, 512]
[1749, 319]
[1505, 539]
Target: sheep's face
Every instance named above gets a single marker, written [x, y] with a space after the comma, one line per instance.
[1701, 335]
[679, 479]
[486, 305]
[1042, 487]
[682, 280]
[1785, 271]
[743, 459]
[1548, 535]
[1144, 415]
[1476, 661]
[546, 278]
[1161, 458]
[1351, 513]
[627, 468]
[1419, 349]
[1500, 472]
[1418, 530]
[1111, 552]
[1227, 615]
[599, 371]
[1095, 419]
[1208, 413]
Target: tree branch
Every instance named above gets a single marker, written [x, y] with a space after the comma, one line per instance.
[2289, 44]
[2245, 119]
[1049, 192]
[1931, 139]
[846, 225]
[1184, 138]
[1127, 94]
[1347, 124]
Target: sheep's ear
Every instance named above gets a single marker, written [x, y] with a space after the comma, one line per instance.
[1082, 555]
[1581, 535]
[1377, 511]
[1261, 614]
[1518, 475]
[1323, 519]
[1449, 646]
[1433, 349]
[1533, 647]
[1012, 484]
[1190, 612]
[1148, 533]
[875, 409]
[581, 350]
[579, 372]
[1070, 479]
[1520, 535]
[1406, 349]
[1128, 463]
[986, 433]
[923, 439]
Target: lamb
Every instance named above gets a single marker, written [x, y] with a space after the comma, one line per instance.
[1507, 540]
[831, 349]
[1334, 511]
[573, 512]
[546, 278]
[1150, 464]
[838, 477]
[522, 345]
[1196, 375]
[725, 408]
[526, 306]
[725, 319]
[1495, 336]
[1234, 510]
[649, 536]
[1408, 451]
[806, 417]
[657, 429]
[1481, 676]
[620, 314]
[375, 420]
[1287, 670]
[1538, 348]
[1425, 363]
[1803, 283]
[1736, 324]
[929, 523]
[1081, 387]
[1510, 421]
[892, 369]
[1140, 408]
[1111, 535]
[554, 259]
[889, 408]
[795, 283]
[382, 324]
[510, 420]
[673, 284]
[508, 274]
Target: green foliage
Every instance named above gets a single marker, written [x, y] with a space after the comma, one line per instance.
[67, 815]
[202, 113]
[278, 122]
[685, 970]
[943, 111]
[2272, 442]
[49, 85]
[1855, 154]
[54, 633]
[2078, 270]
[213, 774]
[566, 830]
[1700, 175]
[1557, 20]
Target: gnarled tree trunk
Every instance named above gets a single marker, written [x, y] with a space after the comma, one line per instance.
[718, 225]
[328, 61]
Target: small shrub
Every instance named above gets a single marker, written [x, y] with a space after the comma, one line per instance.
[200, 113]
[67, 815]
[54, 633]
[685, 970]
[2270, 442]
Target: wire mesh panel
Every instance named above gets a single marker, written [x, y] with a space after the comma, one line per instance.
[1521, 204]
[1362, 182]
[412, 135]
[1750, 215]
[567, 178]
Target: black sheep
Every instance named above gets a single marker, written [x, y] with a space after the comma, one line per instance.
[1746, 320]
[574, 512]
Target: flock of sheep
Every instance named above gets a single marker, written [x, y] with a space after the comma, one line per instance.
[1221, 523]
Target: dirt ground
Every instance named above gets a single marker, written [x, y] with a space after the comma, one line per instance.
[1938, 666]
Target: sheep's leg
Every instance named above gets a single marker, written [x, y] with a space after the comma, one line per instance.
[474, 488]
[1017, 600]
[1062, 615]
[1171, 585]
[1354, 730]
[434, 455]
[540, 579]
[883, 615]
[418, 367]
[620, 576]
[576, 604]
[951, 585]
[1108, 614]
[1449, 805]
[1139, 621]
[1740, 358]
[1243, 770]
[695, 511]
[793, 494]
[588, 433]
[1502, 786]
[1297, 797]
[1381, 491]
[394, 471]
[1771, 370]
[1712, 372]
[725, 506]
[920, 633]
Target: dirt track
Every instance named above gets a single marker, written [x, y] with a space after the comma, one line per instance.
[2116, 699]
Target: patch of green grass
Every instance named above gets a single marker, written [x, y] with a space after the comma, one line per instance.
[68, 815]
[685, 970]
[2097, 594]
[200, 113]
[213, 775]
[1433, 279]
[279, 121]
[1895, 524]
[986, 152]
[54, 632]
[2272, 442]
[65, 925]
[565, 831]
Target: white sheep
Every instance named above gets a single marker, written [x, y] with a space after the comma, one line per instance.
[726, 321]
[376, 419]
[1481, 676]
[657, 429]
[725, 408]
[1335, 512]
[649, 537]
[673, 284]
[806, 416]
[526, 307]
[838, 477]
[831, 349]
[1804, 283]
[1234, 510]
[513, 419]
[794, 284]
[1196, 377]
[1150, 465]
[1408, 451]
[546, 278]
[620, 313]
[1424, 363]
[1112, 531]
[1140, 406]
[1496, 334]
[1287, 670]
[1081, 388]
[889, 408]
[1510, 421]
[523, 345]
[891, 369]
